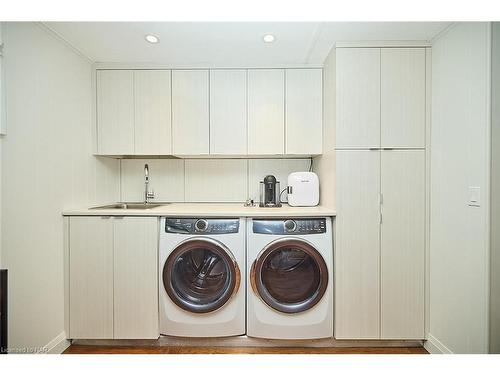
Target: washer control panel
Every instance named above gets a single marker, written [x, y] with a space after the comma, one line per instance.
[289, 226]
[201, 226]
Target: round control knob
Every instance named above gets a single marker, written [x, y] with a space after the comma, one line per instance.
[201, 225]
[290, 226]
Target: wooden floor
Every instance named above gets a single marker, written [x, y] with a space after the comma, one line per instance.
[101, 349]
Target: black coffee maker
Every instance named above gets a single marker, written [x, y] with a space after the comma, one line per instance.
[270, 192]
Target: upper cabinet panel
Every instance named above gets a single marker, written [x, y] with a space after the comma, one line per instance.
[403, 97]
[266, 111]
[190, 112]
[358, 98]
[153, 131]
[304, 114]
[228, 112]
[216, 112]
[115, 112]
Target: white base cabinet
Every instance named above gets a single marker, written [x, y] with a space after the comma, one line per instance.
[91, 278]
[402, 246]
[380, 244]
[135, 278]
[357, 245]
[113, 284]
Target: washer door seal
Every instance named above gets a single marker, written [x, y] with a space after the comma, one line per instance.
[201, 275]
[289, 275]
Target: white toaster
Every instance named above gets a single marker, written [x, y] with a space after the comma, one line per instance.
[303, 189]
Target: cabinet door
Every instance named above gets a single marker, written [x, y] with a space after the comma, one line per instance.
[190, 112]
[403, 97]
[402, 244]
[153, 129]
[357, 247]
[228, 112]
[91, 278]
[266, 111]
[136, 278]
[115, 112]
[304, 103]
[358, 98]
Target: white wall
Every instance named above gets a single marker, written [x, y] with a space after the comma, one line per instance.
[324, 165]
[2, 124]
[495, 194]
[204, 180]
[46, 167]
[459, 159]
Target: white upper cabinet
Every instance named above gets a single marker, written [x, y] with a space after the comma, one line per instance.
[403, 97]
[303, 102]
[228, 112]
[266, 111]
[209, 112]
[381, 98]
[115, 112]
[152, 112]
[358, 98]
[133, 112]
[190, 112]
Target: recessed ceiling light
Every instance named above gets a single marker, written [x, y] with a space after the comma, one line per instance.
[152, 39]
[268, 38]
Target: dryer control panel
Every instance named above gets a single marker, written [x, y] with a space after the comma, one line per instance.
[289, 226]
[201, 226]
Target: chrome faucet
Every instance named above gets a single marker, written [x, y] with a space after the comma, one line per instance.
[147, 194]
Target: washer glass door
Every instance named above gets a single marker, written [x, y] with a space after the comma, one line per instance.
[290, 275]
[201, 275]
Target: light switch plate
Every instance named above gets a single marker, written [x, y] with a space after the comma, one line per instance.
[474, 196]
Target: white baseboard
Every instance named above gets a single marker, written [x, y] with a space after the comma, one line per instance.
[58, 344]
[434, 346]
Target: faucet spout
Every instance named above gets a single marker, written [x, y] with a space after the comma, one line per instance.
[147, 194]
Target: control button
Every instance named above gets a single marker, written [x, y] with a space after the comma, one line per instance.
[290, 226]
[201, 225]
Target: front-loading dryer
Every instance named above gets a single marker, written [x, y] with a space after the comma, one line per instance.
[290, 265]
[201, 265]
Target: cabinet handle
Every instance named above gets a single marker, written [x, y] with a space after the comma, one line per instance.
[388, 148]
[373, 148]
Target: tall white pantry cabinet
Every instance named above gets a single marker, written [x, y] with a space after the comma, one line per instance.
[380, 192]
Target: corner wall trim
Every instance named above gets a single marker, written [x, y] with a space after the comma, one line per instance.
[434, 346]
[58, 344]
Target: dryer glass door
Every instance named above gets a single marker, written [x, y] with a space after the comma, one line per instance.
[290, 275]
[201, 275]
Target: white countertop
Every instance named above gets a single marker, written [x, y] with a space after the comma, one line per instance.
[208, 210]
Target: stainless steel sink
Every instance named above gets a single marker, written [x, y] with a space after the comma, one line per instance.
[130, 206]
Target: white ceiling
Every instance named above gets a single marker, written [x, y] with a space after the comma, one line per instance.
[222, 44]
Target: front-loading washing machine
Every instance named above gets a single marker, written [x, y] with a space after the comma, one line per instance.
[201, 265]
[290, 265]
